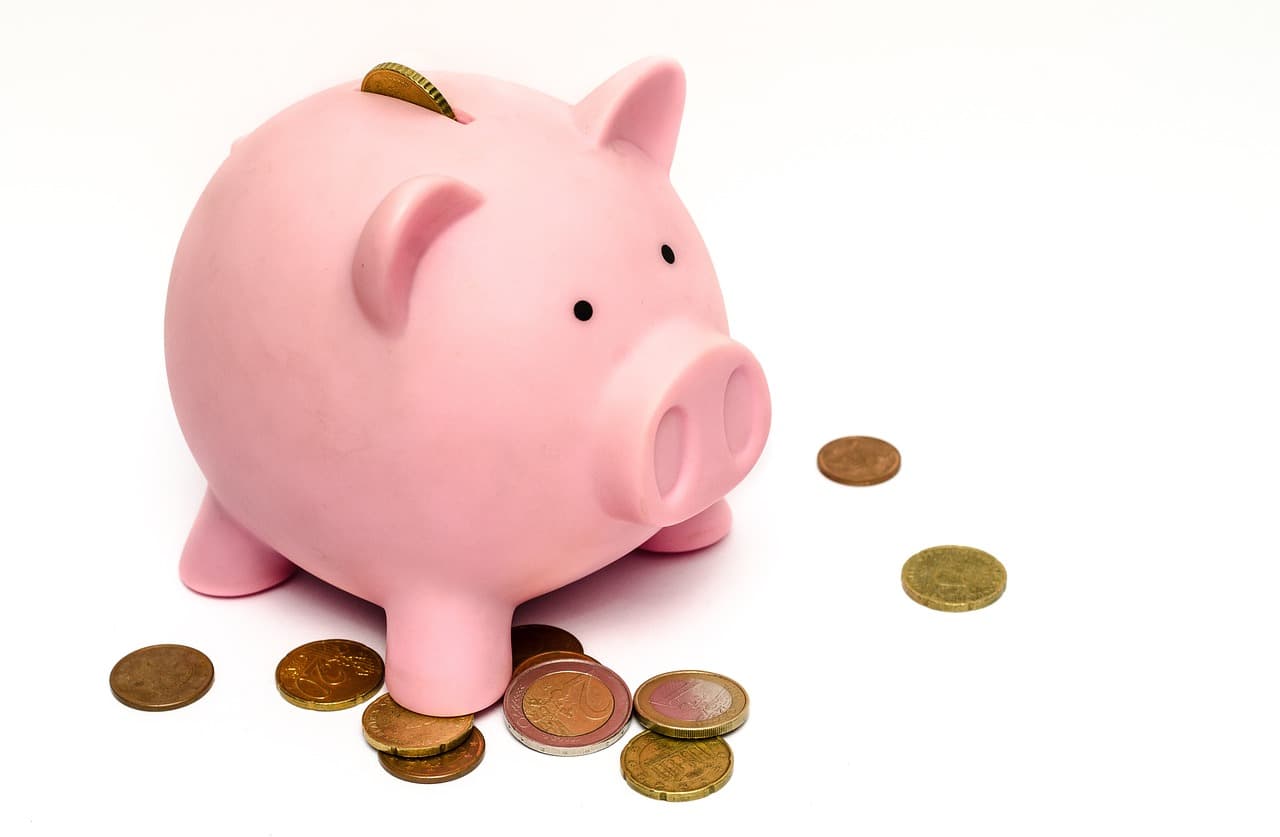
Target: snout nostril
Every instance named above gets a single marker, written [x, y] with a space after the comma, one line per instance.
[739, 409]
[668, 450]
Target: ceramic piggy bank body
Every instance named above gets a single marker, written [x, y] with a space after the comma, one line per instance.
[448, 366]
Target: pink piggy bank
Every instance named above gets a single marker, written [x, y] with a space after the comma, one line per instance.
[451, 365]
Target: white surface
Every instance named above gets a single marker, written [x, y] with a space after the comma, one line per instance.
[1034, 245]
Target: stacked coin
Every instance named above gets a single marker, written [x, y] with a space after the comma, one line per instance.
[682, 755]
[561, 701]
[336, 674]
[422, 748]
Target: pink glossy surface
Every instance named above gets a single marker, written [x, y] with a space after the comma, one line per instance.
[374, 357]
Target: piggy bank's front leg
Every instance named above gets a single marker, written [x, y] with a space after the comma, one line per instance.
[703, 529]
[222, 558]
[447, 655]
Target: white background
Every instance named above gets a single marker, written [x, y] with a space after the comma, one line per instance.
[1035, 245]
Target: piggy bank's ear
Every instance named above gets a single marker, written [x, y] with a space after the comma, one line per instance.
[394, 239]
[641, 105]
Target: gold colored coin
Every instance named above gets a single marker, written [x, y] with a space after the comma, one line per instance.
[401, 82]
[527, 640]
[550, 657]
[445, 767]
[161, 677]
[859, 460]
[390, 728]
[329, 674]
[953, 578]
[691, 704]
[676, 770]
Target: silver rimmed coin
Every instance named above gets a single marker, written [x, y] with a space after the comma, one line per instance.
[550, 657]
[567, 707]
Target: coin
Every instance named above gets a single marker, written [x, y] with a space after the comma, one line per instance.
[391, 728]
[567, 707]
[161, 677]
[676, 770]
[329, 674]
[691, 704]
[859, 460]
[953, 578]
[527, 640]
[445, 767]
[401, 82]
[548, 657]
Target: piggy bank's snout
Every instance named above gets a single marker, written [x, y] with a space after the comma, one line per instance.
[685, 419]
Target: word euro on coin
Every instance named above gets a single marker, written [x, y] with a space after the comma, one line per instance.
[445, 767]
[329, 674]
[953, 578]
[691, 704]
[390, 728]
[161, 677]
[859, 460]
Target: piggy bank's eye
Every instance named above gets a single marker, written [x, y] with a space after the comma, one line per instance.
[668, 255]
[582, 310]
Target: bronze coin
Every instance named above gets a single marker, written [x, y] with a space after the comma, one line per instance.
[391, 728]
[676, 770]
[567, 707]
[161, 677]
[859, 460]
[953, 578]
[329, 674]
[527, 640]
[691, 704]
[404, 83]
[445, 767]
[548, 657]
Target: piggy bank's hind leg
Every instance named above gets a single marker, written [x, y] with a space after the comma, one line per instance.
[705, 528]
[447, 654]
[222, 558]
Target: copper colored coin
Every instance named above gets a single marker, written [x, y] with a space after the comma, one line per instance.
[859, 460]
[445, 767]
[549, 657]
[676, 770]
[691, 704]
[567, 707]
[391, 728]
[161, 677]
[527, 640]
[329, 674]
